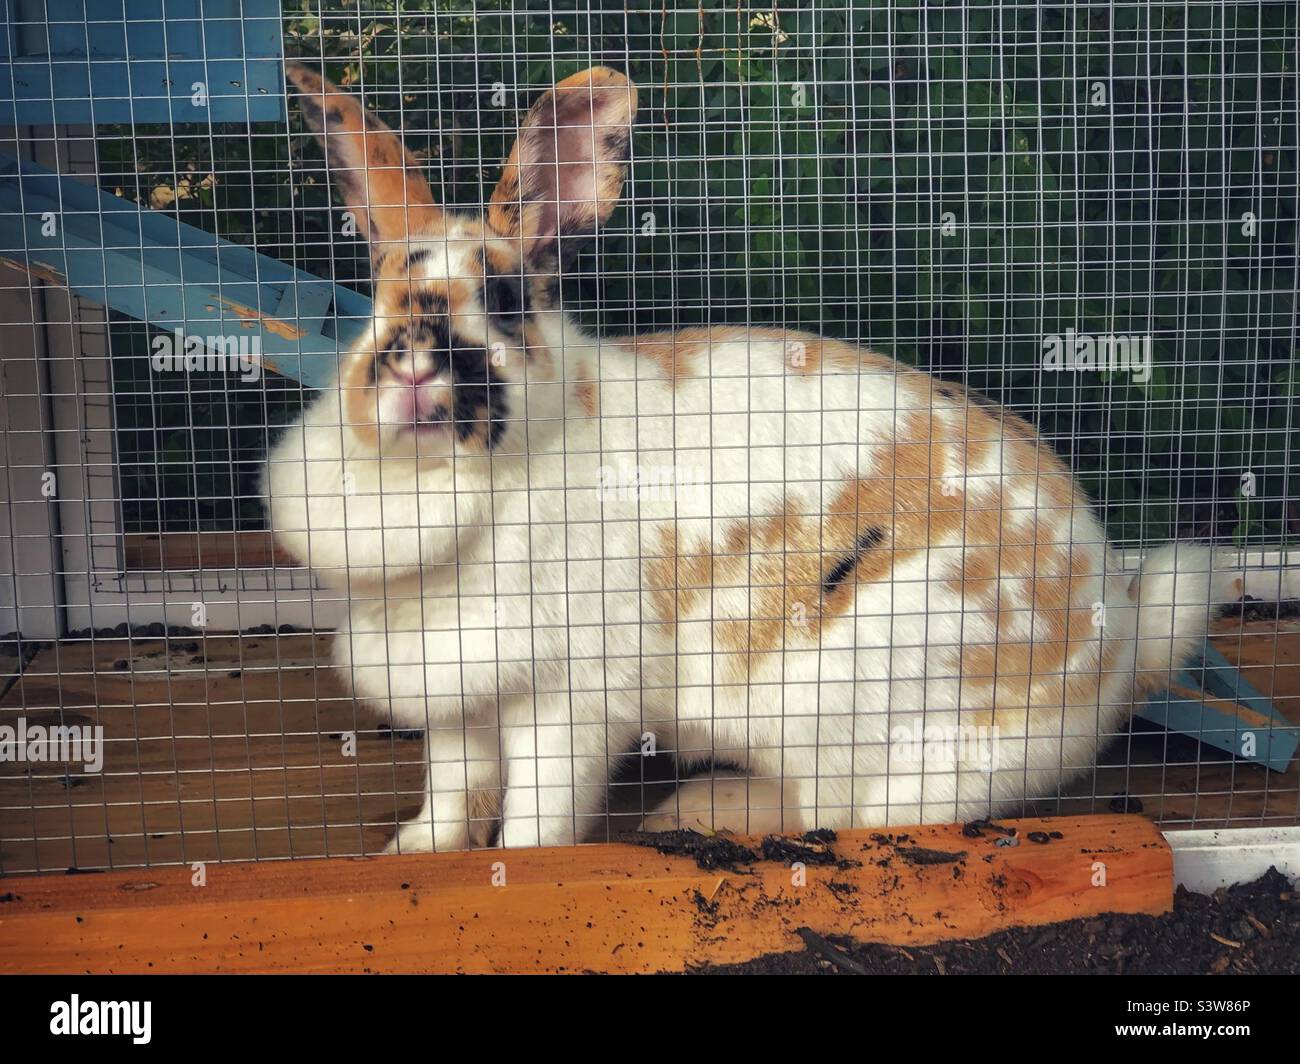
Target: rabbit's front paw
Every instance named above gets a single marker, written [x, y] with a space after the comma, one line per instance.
[420, 836]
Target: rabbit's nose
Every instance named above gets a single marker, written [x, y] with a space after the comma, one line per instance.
[415, 379]
[411, 368]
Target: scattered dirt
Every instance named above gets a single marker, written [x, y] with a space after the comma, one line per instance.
[400, 733]
[158, 630]
[812, 848]
[1253, 609]
[1253, 928]
[975, 829]
[720, 851]
[709, 851]
[922, 856]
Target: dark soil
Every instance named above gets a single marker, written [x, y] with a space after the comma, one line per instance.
[712, 852]
[812, 848]
[709, 851]
[920, 855]
[1253, 609]
[1253, 928]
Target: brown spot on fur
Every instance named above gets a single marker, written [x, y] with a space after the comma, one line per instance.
[499, 261]
[398, 293]
[676, 580]
[677, 353]
[585, 390]
[782, 559]
[360, 398]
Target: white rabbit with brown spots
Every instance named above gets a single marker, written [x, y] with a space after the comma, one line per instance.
[762, 548]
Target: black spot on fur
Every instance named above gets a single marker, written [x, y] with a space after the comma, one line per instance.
[505, 300]
[870, 538]
[398, 342]
[982, 400]
[959, 394]
[614, 144]
[427, 302]
[311, 110]
[478, 396]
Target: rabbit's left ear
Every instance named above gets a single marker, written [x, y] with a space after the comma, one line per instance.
[370, 168]
[565, 172]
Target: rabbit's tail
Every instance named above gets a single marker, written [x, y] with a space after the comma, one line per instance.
[1182, 588]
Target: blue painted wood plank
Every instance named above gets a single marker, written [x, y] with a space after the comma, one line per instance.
[1275, 743]
[172, 275]
[122, 61]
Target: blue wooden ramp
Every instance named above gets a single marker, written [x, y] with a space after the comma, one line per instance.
[156, 269]
[1213, 702]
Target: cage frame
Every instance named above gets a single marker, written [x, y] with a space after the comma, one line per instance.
[74, 604]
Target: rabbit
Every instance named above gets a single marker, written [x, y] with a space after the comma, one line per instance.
[752, 546]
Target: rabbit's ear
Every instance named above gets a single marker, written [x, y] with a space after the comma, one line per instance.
[565, 172]
[369, 167]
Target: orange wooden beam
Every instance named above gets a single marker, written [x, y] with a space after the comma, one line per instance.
[608, 908]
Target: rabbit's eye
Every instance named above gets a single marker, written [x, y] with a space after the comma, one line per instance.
[503, 299]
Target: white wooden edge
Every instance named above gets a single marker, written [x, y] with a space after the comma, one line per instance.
[1208, 858]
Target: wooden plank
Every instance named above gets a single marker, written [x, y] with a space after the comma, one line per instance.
[216, 748]
[187, 551]
[124, 69]
[609, 907]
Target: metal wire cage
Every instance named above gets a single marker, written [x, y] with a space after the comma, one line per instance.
[1086, 213]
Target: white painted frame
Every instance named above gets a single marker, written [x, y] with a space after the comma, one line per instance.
[1206, 859]
[61, 561]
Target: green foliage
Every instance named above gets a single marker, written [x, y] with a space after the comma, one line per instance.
[795, 166]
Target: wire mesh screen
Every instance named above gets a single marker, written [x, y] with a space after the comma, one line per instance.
[829, 416]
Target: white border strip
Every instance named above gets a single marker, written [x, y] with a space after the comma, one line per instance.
[1130, 558]
[1206, 859]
